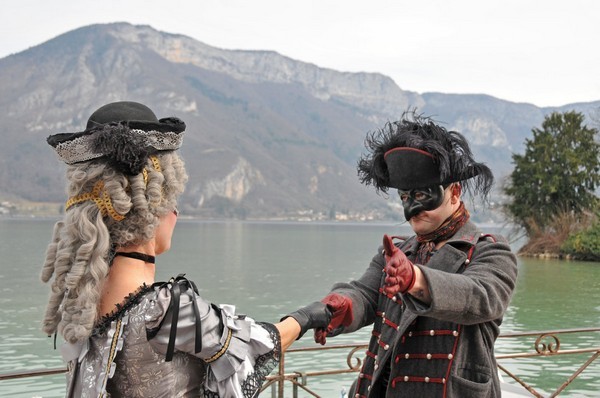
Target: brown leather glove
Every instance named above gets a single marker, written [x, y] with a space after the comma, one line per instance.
[400, 272]
[341, 310]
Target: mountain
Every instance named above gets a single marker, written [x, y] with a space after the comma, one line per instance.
[268, 136]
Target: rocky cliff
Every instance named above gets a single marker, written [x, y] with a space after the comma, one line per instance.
[268, 136]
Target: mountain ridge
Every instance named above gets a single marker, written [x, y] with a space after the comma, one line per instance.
[268, 136]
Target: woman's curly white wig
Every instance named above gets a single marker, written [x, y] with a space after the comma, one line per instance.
[84, 240]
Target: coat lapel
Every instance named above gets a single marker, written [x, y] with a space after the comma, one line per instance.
[452, 255]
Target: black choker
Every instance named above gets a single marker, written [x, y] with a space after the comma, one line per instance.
[138, 256]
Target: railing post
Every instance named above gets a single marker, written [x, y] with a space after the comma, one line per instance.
[280, 383]
[295, 389]
[303, 381]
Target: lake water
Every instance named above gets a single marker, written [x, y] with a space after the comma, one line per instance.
[269, 269]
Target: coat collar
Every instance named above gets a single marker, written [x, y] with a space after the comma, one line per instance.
[468, 235]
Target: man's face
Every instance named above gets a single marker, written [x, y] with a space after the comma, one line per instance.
[421, 199]
[443, 202]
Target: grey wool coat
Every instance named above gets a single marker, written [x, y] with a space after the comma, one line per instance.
[441, 349]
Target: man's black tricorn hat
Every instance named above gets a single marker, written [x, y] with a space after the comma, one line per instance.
[416, 153]
[124, 133]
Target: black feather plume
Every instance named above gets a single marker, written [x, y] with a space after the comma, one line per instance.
[125, 151]
[450, 151]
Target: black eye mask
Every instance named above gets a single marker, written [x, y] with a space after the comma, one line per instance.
[415, 201]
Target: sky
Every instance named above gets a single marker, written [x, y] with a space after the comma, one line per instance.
[543, 52]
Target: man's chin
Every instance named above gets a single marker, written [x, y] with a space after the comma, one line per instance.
[420, 225]
[416, 218]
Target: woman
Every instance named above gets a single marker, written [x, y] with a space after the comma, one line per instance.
[127, 335]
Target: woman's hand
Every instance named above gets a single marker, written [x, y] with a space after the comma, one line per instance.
[341, 315]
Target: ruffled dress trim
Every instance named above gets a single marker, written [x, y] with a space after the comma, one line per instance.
[239, 352]
[264, 363]
[128, 302]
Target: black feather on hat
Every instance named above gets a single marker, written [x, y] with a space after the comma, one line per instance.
[124, 133]
[415, 152]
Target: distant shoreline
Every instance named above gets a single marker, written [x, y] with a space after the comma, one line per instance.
[277, 220]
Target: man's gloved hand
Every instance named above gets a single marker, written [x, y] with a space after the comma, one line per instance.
[341, 309]
[314, 315]
[400, 272]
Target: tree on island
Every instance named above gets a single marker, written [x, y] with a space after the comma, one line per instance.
[553, 187]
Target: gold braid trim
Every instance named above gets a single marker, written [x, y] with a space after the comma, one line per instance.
[100, 197]
[155, 164]
[222, 350]
[113, 352]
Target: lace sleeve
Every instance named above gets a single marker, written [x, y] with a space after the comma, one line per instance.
[239, 352]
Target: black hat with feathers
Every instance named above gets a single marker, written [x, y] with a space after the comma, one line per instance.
[415, 152]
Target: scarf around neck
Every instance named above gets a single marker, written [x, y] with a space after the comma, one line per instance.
[445, 231]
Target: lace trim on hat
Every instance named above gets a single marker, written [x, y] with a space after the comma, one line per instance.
[81, 149]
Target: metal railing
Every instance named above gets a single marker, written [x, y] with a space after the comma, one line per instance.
[300, 379]
[545, 344]
[548, 344]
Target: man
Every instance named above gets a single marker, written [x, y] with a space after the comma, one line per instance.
[435, 300]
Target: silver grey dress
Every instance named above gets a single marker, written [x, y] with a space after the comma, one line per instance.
[166, 341]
